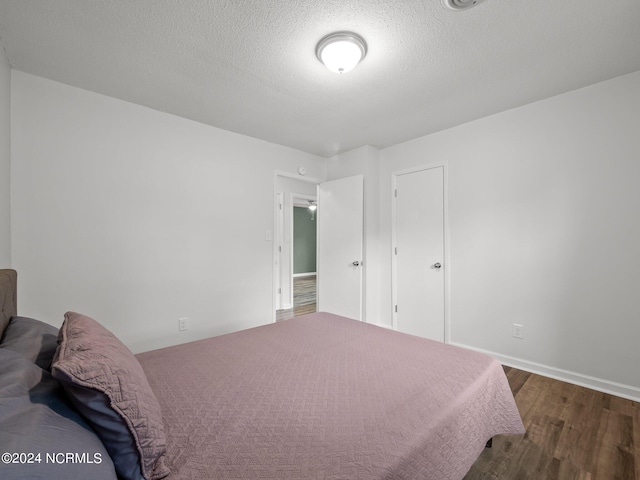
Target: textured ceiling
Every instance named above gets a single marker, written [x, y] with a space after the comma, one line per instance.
[249, 66]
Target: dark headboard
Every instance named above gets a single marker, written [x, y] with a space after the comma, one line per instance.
[8, 297]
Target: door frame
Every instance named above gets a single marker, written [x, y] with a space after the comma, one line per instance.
[277, 242]
[275, 264]
[447, 257]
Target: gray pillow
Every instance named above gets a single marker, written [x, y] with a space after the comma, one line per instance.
[107, 385]
[37, 418]
[34, 339]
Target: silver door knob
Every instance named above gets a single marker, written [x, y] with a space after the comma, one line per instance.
[356, 263]
[437, 266]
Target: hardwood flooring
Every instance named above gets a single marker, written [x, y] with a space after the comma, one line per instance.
[295, 312]
[304, 298]
[304, 290]
[573, 433]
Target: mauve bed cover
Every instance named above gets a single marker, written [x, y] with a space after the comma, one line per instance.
[325, 397]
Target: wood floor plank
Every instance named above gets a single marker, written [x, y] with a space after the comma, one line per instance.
[304, 298]
[572, 433]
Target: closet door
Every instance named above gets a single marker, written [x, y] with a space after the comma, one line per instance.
[419, 279]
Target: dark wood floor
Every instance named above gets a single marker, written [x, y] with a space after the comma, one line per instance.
[304, 298]
[295, 312]
[572, 433]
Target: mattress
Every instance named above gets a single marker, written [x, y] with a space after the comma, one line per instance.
[326, 397]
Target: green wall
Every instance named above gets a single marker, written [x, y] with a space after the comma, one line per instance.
[304, 240]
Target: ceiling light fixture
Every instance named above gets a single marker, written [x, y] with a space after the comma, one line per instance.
[461, 4]
[342, 51]
[312, 207]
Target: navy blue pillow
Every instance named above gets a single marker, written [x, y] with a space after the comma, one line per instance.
[36, 418]
[32, 338]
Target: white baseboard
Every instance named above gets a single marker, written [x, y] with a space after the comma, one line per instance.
[613, 388]
[383, 325]
[308, 274]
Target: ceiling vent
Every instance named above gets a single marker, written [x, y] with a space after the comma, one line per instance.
[461, 4]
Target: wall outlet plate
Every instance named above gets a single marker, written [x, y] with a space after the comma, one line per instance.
[517, 331]
[183, 324]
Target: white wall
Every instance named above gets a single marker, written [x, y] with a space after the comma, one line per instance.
[5, 161]
[365, 161]
[544, 204]
[129, 215]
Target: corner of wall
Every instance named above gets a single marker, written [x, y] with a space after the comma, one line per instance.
[5, 160]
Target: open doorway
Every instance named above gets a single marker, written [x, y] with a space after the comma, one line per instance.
[304, 251]
[295, 249]
[300, 220]
[340, 245]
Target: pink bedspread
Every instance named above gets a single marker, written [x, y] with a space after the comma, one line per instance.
[324, 397]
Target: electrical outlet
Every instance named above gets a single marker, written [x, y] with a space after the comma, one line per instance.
[517, 331]
[183, 324]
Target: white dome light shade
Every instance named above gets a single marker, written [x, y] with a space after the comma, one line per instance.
[341, 52]
[461, 4]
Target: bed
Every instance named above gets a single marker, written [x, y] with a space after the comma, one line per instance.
[315, 397]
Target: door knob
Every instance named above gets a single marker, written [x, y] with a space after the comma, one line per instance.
[437, 266]
[356, 263]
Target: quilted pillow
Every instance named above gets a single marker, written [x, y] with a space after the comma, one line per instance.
[108, 386]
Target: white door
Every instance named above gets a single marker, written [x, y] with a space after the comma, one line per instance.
[340, 246]
[419, 281]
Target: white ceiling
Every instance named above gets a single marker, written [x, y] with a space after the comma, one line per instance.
[249, 66]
